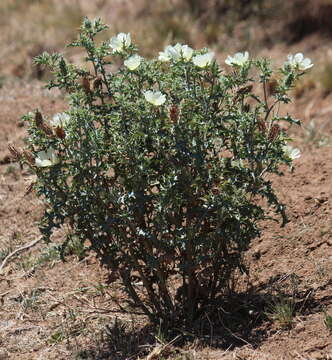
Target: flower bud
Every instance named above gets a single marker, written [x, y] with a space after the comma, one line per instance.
[274, 132]
[174, 113]
[38, 118]
[29, 188]
[60, 133]
[272, 87]
[261, 126]
[16, 154]
[47, 129]
[29, 157]
[86, 85]
[97, 83]
[215, 106]
[246, 108]
[244, 90]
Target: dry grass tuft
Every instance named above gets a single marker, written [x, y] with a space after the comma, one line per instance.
[30, 27]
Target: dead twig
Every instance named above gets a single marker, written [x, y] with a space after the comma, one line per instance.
[234, 335]
[25, 247]
[157, 351]
[300, 356]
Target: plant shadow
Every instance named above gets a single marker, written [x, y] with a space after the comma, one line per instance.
[239, 319]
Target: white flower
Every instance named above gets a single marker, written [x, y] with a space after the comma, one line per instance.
[176, 53]
[292, 153]
[187, 52]
[163, 56]
[133, 62]
[154, 97]
[203, 60]
[120, 42]
[46, 158]
[298, 62]
[239, 59]
[60, 120]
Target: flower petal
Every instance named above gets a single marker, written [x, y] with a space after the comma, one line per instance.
[119, 42]
[133, 62]
[298, 57]
[163, 56]
[154, 97]
[203, 60]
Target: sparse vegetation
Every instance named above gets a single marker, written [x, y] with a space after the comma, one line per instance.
[328, 321]
[281, 311]
[232, 24]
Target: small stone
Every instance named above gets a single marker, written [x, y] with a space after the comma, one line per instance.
[317, 355]
[322, 199]
[299, 327]
[3, 355]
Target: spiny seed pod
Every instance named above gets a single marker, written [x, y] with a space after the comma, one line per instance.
[86, 85]
[63, 67]
[16, 154]
[29, 157]
[174, 113]
[29, 189]
[274, 132]
[60, 133]
[97, 83]
[244, 90]
[261, 126]
[215, 106]
[47, 130]
[246, 108]
[272, 87]
[38, 118]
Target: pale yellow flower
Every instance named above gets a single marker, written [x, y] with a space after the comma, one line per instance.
[133, 62]
[164, 56]
[46, 158]
[239, 59]
[176, 53]
[292, 153]
[299, 62]
[60, 119]
[203, 60]
[120, 42]
[154, 97]
[186, 52]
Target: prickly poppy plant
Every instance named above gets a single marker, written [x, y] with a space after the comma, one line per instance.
[161, 165]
